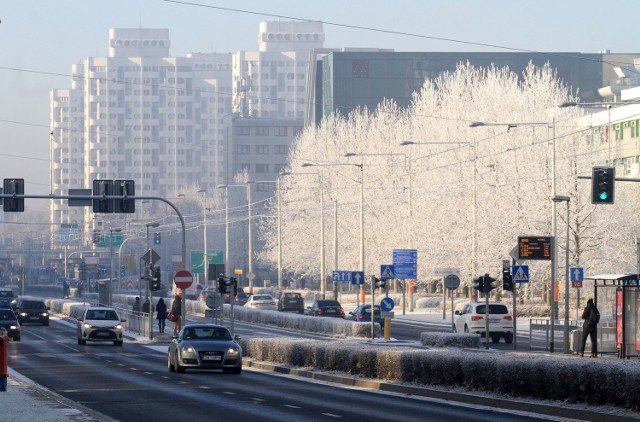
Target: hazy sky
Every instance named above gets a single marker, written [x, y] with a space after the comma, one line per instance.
[41, 39]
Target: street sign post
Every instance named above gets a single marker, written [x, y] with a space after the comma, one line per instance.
[405, 262]
[387, 272]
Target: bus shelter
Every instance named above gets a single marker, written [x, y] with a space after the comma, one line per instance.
[617, 297]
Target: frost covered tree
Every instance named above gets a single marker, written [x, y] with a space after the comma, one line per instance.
[460, 195]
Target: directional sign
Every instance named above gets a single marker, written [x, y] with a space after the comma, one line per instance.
[357, 277]
[386, 272]
[341, 276]
[577, 274]
[387, 304]
[405, 262]
[183, 279]
[520, 273]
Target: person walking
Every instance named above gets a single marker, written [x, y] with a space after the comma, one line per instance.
[146, 306]
[176, 309]
[591, 317]
[136, 306]
[161, 314]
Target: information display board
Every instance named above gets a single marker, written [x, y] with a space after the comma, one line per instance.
[535, 247]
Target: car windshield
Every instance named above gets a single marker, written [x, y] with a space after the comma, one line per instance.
[6, 314]
[107, 315]
[323, 303]
[367, 310]
[34, 305]
[262, 297]
[6, 293]
[291, 296]
[493, 309]
[206, 333]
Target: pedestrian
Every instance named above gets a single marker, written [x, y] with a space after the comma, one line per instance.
[591, 317]
[80, 288]
[176, 309]
[136, 305]
[161, 314]
[65, 289]
[146, 306]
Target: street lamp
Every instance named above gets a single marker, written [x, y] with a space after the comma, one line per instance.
[205, 258]
[111, 231]
[565, 348]
[361, 167]
[226, 217]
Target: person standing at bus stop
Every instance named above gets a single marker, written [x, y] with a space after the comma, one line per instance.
[591, 317]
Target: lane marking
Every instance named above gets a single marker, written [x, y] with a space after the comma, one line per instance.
[292, 406]
[331, 415]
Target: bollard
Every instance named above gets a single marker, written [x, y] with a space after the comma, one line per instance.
[387, 329]
[4, 371]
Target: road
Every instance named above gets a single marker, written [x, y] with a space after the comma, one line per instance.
[132, 383]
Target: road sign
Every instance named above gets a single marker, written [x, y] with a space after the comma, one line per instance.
[405, 262]
[151, 257]
[197, 260]
[357, 277]
[341, 276]
[183, 279]
[576, 284]
[251, 276]
[577, 274]
[387, 304]
[534, 247]
[443, 272]
[520, 273]
[386, 314]
[452, 282]
[386, 272]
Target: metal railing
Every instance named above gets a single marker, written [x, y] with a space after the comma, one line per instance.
[540, 333]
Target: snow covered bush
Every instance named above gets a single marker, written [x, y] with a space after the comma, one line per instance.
[435, 339]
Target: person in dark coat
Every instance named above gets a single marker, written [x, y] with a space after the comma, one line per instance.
[176, 309]
[161, 314]
[591, 317]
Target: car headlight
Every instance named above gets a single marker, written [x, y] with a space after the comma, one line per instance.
[118, 327]
[188, 351]
[24, 314]
[13, 327]
[232, 351]
[44, 314]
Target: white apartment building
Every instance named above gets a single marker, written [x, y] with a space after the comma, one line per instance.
[139, 114]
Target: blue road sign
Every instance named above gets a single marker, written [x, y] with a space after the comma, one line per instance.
[341, 276]
[357, 277]
[520, 273]
[387, 272]
[577, 274]
[387, 304]
[405, 262]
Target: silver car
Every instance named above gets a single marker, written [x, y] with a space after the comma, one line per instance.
[205, 346]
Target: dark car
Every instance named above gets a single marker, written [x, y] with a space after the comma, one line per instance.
[30, 309]
[205, 346]
[325, 308]
[241, 297]
[8, 297]
[363, 314]
[291, 302]
[9, 321]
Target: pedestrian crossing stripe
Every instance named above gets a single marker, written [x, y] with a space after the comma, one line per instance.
[521, 274]
[387, 273]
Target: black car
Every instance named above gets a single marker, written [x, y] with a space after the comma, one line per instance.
[291, 302]
[325, 308]
[363, 314]
[30, 309]
[7, 297]
[241, 297]
[9, 322]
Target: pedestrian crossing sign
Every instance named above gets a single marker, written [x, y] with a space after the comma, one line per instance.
[520, 273]
[386, 272]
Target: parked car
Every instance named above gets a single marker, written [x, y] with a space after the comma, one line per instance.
[9, 321]
[32, 309]
[363, 314]
[205, 346]
[325, 308]
[7, 296]
[291, 302]
[100, 323]
[471, 319]
[262, 302]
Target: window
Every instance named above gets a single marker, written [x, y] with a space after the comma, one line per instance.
[262, 130]
[262, 149]
[243, 149]
[280, 149]
[243, 130]
[262, 168]
[280, 131]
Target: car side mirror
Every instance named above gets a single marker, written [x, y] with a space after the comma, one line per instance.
[123, 320]
[80, 318]
[237, 337]
[457, 313]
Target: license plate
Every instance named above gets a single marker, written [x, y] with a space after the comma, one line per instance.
[103, 333]
[211, 357]
[331, 311]
[494, 320]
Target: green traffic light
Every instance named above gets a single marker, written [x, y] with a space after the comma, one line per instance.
[603, 196]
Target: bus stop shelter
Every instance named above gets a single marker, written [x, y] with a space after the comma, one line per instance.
[617, 297]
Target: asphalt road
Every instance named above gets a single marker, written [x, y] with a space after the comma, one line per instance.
[132, 383]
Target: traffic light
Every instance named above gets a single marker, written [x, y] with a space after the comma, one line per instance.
[234, 283]
[489, 283]
[222, 285]
[603, 185]
[156, 239]
[379, 284]
[13, 187]
[156, 279]
[478, 284]
[125, 188]
[507, 279]
[103, 188]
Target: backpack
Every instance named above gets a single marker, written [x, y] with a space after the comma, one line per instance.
[594, 317]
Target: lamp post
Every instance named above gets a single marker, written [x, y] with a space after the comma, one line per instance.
[362, 263]
[565, 345]
[205, 258]
[226, 216]
[111, 231]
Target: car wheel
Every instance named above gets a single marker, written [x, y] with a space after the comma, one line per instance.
[169, 364]
[455, 330]
[466, 328]
[46, 324]
[495, 338]
[237, 371]
[179, 369]
[118, 342]
[508, 338]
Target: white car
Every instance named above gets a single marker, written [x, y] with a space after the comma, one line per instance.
[261, 302]
[471, 318]
[100, 323]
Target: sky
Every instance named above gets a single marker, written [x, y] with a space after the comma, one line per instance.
[41, 39]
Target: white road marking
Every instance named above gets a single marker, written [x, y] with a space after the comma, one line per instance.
[331, 415]
[292, 406]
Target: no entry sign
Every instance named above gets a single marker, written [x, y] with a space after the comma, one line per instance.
[183, 279]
